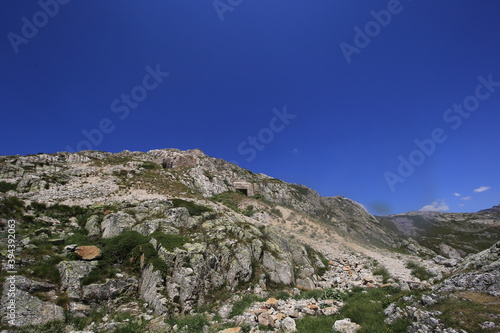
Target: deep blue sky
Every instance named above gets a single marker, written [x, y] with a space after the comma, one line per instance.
[353, 120]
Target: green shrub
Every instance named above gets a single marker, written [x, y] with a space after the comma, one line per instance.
[384, 272]
[277, 212]
[45, 270]
[419, 271]
[5, 187]
[11, 207]
[149, 166]
[193, 209]
[229, 199]
[170, 242]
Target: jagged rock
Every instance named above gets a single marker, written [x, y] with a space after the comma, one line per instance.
[27, 309]
[150, 287]
[71, 273]
[93, 226]
[88, 252]
[265, 319]
[110, 289]
[114, 224]
[345, 326]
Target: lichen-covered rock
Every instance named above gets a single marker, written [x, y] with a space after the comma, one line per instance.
[71, 273]
[110, 289]
[114, 224]
[26, 309]
[93, 226]
[279, 270]
[151, 288]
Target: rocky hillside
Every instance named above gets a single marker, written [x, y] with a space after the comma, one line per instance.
[172, 240]
[466, 233]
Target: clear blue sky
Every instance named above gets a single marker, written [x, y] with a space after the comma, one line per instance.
[346, 123]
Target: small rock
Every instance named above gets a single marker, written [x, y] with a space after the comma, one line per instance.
[345, 326]
[288, 325]
[330, 311]
[232, 330]
[265, 319]
[88, 252]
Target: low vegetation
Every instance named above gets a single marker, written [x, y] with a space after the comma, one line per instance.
[419, 271]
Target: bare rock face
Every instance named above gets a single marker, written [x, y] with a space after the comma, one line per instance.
[28, 309]
[88, 252]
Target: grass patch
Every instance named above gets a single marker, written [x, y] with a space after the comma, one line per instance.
[384, 272]
[193, 209]
[364, 307]
[419, 271]
[5, 187]
[45, 270]
[229, 199]
[149, 166]
[468, 311]
[193, 323]
[244, 303]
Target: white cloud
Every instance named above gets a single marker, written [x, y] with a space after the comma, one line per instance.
[456, 194]
[461, 205]
[482, 189]
[466, 198]
[436, 206]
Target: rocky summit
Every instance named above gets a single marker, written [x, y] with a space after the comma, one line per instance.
[178, 241]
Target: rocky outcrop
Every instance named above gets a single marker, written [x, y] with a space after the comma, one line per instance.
[71, 273]
[20, 308]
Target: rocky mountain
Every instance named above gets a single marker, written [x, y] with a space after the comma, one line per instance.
[453, 235]
[171, 240]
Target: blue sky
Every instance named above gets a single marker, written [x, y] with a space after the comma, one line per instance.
[292, 89]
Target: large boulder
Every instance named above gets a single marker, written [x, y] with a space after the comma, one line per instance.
[71, 273]
[114, 224]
